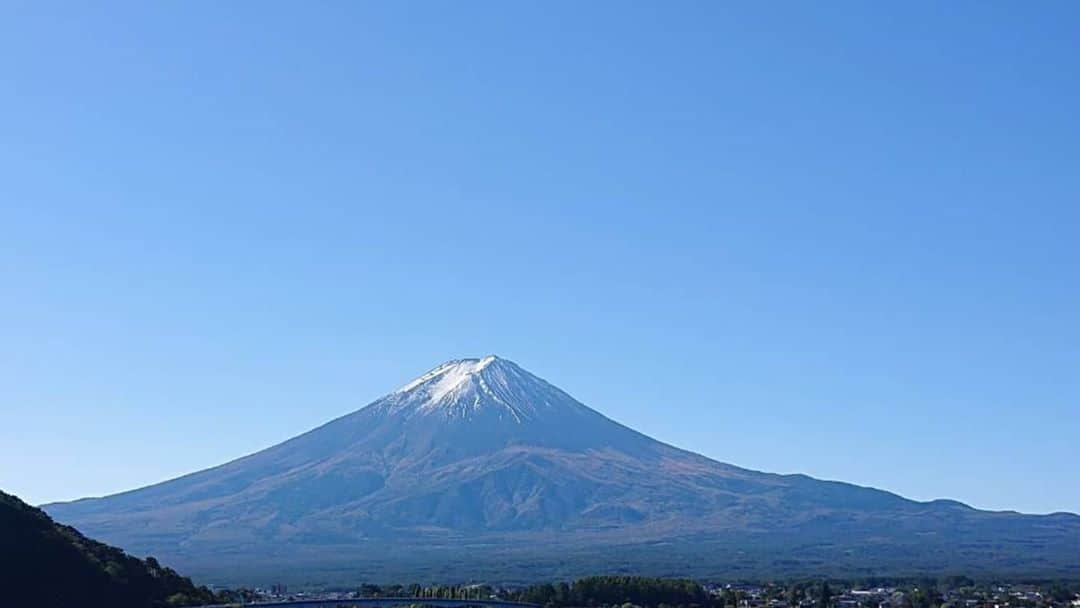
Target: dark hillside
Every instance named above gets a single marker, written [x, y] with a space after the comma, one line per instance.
[45, 564]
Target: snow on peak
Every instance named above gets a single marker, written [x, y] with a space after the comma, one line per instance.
[450, 373]
[461, 387]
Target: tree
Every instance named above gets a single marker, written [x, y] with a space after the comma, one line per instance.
[824, 595]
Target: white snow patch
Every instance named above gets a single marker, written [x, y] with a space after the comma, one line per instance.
[464, 387]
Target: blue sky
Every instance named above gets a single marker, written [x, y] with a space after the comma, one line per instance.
[833, 238]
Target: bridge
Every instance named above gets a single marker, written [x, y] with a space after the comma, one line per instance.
[386, 602]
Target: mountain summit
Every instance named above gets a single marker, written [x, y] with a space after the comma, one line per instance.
[479, 468]
[466, 388]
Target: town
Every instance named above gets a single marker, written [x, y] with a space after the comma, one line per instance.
[645, 592]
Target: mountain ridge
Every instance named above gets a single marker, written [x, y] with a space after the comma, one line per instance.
[482, 451]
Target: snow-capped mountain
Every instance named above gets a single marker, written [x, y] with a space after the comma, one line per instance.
[480, 462]
[485, 392]
[466, 388]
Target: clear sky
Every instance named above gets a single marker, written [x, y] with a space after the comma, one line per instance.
[839, 238]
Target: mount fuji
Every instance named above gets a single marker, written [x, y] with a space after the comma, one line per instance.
[479, 469]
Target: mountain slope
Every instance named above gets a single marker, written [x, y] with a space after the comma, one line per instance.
[45, 564]
[479, 453]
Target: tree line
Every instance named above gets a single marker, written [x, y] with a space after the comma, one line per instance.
[612, 590]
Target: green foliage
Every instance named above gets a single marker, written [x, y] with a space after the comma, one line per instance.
[612, 590]
[46, 564]
[824, 595]
[924, 596]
